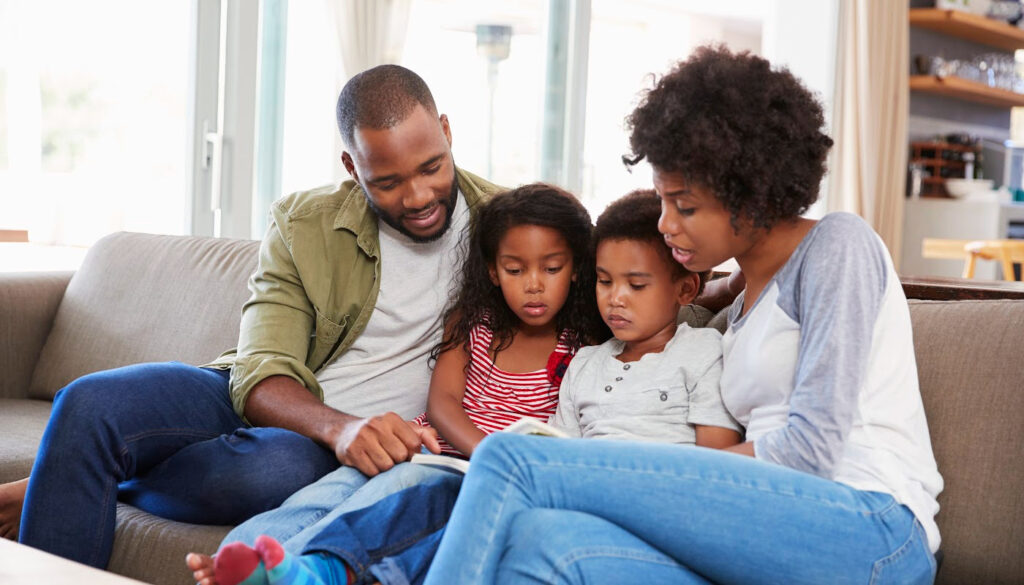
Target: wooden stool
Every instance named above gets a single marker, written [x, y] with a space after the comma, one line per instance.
[1006, 251]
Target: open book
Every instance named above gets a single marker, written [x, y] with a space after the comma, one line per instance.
[523, 426]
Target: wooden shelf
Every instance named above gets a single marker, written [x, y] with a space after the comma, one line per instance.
[938, 162]
[942, 145]
[966, 90]
[972, 27]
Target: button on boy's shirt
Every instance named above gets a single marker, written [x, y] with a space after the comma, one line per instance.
[659, 397]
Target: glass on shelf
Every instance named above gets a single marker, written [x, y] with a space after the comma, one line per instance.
[995, 70]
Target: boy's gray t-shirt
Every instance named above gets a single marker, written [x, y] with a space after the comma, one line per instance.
[659, 397]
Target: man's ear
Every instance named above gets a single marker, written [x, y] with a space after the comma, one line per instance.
[492, 271]
[446, 128]
[346, 159]
[688, 286]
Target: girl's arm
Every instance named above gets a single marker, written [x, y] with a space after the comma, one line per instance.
[716, 437]
[444, 402]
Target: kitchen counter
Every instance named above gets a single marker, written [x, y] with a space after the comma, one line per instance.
[955, 219]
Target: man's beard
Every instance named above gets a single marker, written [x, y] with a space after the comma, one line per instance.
[449, 209]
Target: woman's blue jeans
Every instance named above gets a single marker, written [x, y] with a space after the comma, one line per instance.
[544, 510]
[162, 437]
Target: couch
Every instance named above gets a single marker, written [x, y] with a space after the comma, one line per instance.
[140, 297]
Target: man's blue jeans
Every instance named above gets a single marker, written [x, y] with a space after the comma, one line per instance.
[162, 437]
[543, 510]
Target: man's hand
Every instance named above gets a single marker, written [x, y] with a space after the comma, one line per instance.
[376, 444]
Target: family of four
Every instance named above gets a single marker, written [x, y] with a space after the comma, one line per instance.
[419, 307]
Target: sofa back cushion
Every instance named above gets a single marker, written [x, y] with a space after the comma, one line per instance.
[970, 357]
[143, 298]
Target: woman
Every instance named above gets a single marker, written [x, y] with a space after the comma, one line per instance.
[835, 482]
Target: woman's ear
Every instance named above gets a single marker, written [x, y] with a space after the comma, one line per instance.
[688, 286]
[492, 271]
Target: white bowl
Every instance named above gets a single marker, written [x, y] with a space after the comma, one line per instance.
[963, 187]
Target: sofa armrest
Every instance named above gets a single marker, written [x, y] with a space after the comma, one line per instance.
[28, 304]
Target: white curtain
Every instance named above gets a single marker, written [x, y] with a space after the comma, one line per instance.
[869, 160]
[370, 32]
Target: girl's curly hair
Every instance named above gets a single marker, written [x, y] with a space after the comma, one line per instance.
[479, 300]
[728, 122]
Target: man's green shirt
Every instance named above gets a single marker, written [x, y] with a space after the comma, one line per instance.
[315, 286]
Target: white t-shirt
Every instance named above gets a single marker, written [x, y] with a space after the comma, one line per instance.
[386, 367]
[659, 397]
[821, 370]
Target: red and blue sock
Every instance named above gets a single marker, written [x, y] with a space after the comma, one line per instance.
[268, 563]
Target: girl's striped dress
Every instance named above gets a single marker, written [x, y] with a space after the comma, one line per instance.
[495, 398]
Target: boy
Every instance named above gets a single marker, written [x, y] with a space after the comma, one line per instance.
[654, 380]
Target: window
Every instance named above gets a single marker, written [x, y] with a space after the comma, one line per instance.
[619, 45]
[440, 45]
[105, 115]
[630, 43]
[93, 118]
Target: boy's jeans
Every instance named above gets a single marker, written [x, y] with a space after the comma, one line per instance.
[165, 438]
[394, 540]
[309, 513]
[538, 509]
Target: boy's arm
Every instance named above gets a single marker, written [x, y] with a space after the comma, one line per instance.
[716, 437]
[444, 403]
[714, 426]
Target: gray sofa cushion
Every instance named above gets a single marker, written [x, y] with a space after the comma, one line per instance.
[23, 422]
[28, 305]
[153, 549]
[144, 298]
[972, 376]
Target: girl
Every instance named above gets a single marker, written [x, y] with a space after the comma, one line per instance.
[525, 306]
[836, 482]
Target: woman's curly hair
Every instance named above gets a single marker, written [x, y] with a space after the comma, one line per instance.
[731, 124]
[480, 301]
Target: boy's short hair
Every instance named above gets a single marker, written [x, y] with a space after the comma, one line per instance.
[634, 216]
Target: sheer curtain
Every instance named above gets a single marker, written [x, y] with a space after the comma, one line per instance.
[370, 32]
[869, 160]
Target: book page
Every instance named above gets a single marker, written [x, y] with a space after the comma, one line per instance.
[532, 426]
[444, 461]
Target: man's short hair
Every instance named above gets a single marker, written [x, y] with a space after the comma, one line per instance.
[634, 217]
[381, 97]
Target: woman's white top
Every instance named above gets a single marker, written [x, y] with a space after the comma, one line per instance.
[821, 370]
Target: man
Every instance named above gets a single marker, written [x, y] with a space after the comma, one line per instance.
[346, 303]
